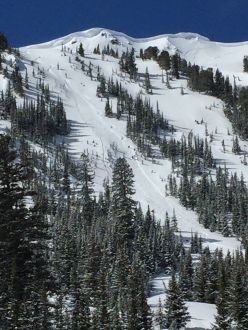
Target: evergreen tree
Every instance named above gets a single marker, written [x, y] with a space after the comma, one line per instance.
[175, 65]
[80, 319]
[26, 79]
[66, 178]
[186, 276]
[101, 313]
[108, 109]
[245, 64]
[3, 41]
[138, 311]
[127, 63]
[86, 176]
[160, 319]
[81, 50]
[222, 319]
[147, 83]
[151, 53]
[236, 148]
[174, 308]
[199, 281]
[164, 60]
[123, 204]
[237, 297]
[24, 273]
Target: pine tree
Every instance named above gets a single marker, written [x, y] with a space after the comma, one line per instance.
[26, 79]
[108, 109]
[160, 319]
[186, 276]
[81, 50]
[245, 64]
[24, 269]
[199, 280]
[101, 313]
[127, 63]
[66, 178]
[175, 309]
[164, 60]
[80, 319]
[86, 176]
[237, 297]
[236, 148]
[123, 204]
[138, 311]
[167, 81]
[212, 281]
[147, 83]
[222, 319]
[175, 63]
[3, 41]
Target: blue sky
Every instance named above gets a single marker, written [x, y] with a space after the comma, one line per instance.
[34, 21]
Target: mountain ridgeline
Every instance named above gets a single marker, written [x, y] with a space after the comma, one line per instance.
[79, 252]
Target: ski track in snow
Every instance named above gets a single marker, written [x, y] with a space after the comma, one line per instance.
[89, 120]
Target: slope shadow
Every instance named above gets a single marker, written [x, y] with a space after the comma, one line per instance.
[76, 132]
[76, 127]
[157, 88]
[21, 65]
[210, 240]
[32, 93]
[92, 58]
[155, 94]
[222, 162]
[187, 238]
[151, 76]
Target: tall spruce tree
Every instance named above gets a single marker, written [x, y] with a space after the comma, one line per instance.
[81, 50]
[245, 63]
[108, 109]
[147, 82]
[222, 319]
[3, 41]
[24, 270]
[138, 311]
[86, 176]
[123, 204]
[237, 297]
[175, 310]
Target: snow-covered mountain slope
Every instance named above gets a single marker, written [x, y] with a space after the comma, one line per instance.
[191, 46]
[105, 138]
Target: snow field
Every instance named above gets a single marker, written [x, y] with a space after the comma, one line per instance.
[104, 139]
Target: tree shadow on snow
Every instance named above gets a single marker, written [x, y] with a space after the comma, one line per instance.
[187, 238]
[195, 328]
